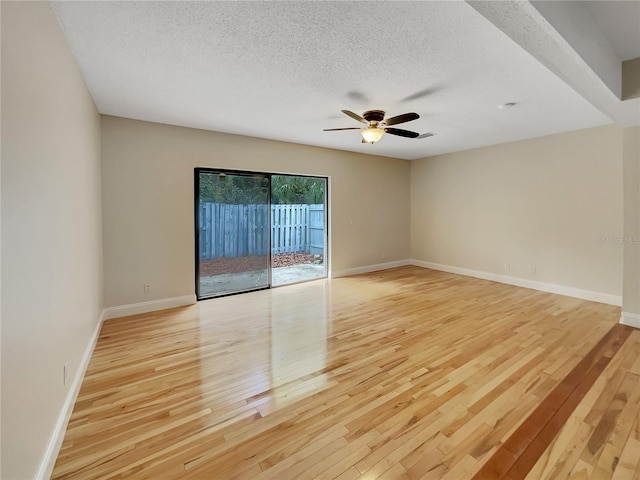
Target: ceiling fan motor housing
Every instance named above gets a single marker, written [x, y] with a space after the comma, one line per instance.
[373, 115]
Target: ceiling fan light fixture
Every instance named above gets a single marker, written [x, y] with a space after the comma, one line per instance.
[374, 120]
[372, 134]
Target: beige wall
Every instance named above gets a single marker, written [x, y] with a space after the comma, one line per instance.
[51, 229]
[553, 203]
[631, 294]
[147, 173]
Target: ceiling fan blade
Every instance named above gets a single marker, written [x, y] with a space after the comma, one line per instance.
[334, 129]
[422, 93]
[426, 135]
[358, 96]
[401, 133]
[405, 117]
[355, 116]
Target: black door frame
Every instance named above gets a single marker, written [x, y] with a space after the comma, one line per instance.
[249, 173]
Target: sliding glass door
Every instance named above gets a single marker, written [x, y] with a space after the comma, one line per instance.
[255, 230]
[232, 232]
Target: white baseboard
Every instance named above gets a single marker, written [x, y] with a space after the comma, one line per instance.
[630, 319]
[151, 306]
[369, 268]
[55, 442]
[527, 283]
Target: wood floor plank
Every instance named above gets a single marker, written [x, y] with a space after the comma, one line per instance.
[404, 373]
[593, 439]
[535, 435]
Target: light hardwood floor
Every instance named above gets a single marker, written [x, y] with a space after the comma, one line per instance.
[405, 373]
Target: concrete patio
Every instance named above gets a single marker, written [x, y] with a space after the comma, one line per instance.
[236, 282]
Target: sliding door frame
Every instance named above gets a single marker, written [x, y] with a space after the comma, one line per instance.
[268, 175]
[196, 225]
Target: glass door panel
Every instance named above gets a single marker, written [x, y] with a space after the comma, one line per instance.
[298, 228]
[233, 251]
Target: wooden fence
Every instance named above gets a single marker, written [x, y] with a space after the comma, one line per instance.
[316, 229]
[242, 230]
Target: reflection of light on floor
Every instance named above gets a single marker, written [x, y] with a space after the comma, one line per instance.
[279, 351]
[229, 329]
[298, 344]
[284, 395]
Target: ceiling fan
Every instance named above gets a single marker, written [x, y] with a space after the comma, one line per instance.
[378, 126]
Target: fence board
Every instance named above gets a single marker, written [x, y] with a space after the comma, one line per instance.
[316, 229]
[241, 230]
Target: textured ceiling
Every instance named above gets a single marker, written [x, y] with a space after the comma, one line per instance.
[284, 70]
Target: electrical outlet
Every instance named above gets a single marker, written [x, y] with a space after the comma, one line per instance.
[507, 267]
[147, 288]
[65, 371]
